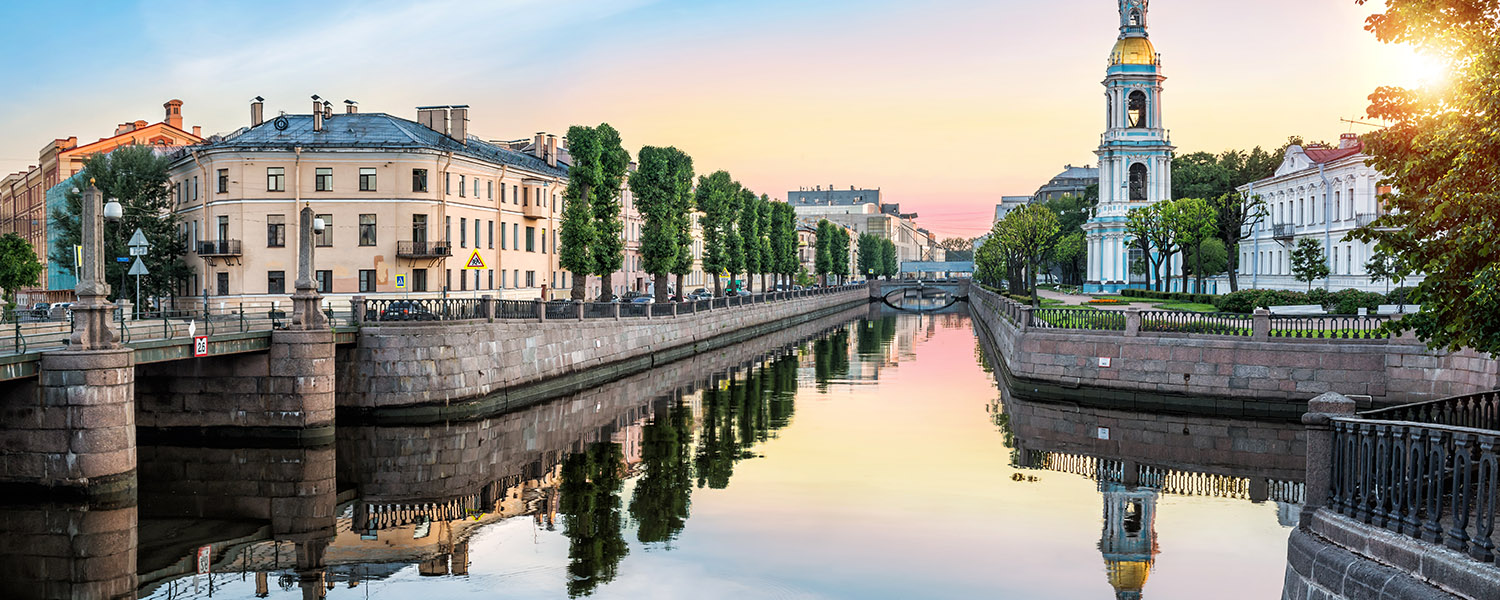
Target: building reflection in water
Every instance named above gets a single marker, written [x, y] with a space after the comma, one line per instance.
[84, 550]
[1129, 539]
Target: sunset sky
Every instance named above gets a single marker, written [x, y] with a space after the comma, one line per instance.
[945, 105]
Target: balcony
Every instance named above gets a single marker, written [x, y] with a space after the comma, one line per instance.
[423, 249]
[219, 248]
[1283, 231]
[1364, 220]
[532, 211]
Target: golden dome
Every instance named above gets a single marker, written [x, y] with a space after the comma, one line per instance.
[1128, 575]
[1133, 51]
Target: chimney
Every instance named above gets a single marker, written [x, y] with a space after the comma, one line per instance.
[458, 124]
[125, 128]
[198, 131]
[174, 113]
[317, 113]
[350, 107]
[1348, 140]
[327, 109]
[538, 145]
[551, 150]
[257, 111]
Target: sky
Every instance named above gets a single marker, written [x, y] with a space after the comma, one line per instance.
[945, 105]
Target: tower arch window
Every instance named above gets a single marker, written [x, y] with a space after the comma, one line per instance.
[1136, 109]
[1138, 182]
[1135, 18]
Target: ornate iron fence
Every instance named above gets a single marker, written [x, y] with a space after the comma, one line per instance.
[599, 310]
[1169, 321]
[561, 310]
[1343, 327]
[661, 310]
[1072, 318]
[1436, 483]
[702, 305]
[515, 309]
[429, 309]
[632, 309]
[1478, 411]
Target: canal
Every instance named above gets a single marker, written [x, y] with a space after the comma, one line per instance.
[869, 455]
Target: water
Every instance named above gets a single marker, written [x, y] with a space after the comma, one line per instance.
[879, 460]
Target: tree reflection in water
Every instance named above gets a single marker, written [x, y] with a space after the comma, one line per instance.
[590, 504]
[661, 499]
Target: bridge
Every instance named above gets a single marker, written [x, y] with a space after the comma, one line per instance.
[920, 295]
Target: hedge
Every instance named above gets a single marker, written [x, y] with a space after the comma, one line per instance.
[1169, 296]
[1342, 302]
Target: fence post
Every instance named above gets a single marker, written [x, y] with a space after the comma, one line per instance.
[614, 308]
[674, 308]
[1260, 326]
[541, 310]
[1025, 318]
[579, 307]
[487, 307]
[1320, 447]
[357, 309]
[1132, 321]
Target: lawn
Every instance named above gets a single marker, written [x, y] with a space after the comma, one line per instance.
[1187, 306]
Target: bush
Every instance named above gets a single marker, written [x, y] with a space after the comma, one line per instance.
[1319, 296]
[1402, 295]
[1349, 301]
[1169, 296]
[1246, 301]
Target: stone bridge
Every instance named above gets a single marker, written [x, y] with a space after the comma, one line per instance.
[892, 291]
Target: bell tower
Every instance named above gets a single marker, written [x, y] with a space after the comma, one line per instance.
[1135, 152]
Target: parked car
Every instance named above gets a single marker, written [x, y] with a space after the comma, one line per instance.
[405, 310]
[642, 300]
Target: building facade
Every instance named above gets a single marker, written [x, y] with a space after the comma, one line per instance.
[1072, 181]
[1320, 193]
[1135, 153]
[405, 204]
[24, 196]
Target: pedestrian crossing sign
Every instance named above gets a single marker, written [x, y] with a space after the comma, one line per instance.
[400, 281]
[475, 261]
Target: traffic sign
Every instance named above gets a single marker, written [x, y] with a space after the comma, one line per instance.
[139, 268]
[138, 250]
[400, 281]
[200, 345]
[78, 256]
[205, 554]
[475, 261]
[138, 239]
[122, 259]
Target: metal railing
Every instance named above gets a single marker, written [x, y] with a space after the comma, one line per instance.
[1171, 321]
[219, 248]
[1433, 482]
[598, 310]
[1343, 327]
[562, 310]
[661, 310]
[20, 334]
[1074, 318]
[1477, 411]
[412, 249]
[428, 309]
[632, 309]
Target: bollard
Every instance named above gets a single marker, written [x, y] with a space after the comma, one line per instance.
[1319, 475]
[579, 307]
[1260, 327]
[541, 310]
[1132, 321]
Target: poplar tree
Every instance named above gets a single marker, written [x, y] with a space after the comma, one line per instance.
[655, 193]
[784, 240]
[838, 252]
[18, 266]
[822, 256]
[750, 235]
[577, 228]
[715, 198]
[682, 205]
[890, 265]
[869, 255]
[763, 210]
[734, 248]
[1029, 233]
[609, 245]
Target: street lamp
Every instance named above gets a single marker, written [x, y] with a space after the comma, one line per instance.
[113, 211]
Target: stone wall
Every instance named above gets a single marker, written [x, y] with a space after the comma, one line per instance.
[412, 364]
[75, 427]
[1337, 558]
[1237, 376]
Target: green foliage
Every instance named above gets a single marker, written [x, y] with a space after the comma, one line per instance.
[1439, 152]
[137, 177]
[957, 249]
[1349, 301]
[822, 258]
[1070, 256]
[1194, 221]
[1384, 267]
[1402, 295]
[655, 191]
[804, 278]
[1246, 301]
[1072, 212]
[869, 255]
[889, 263]
[681, 167]
[763, 210]
[1029, 233]
[614, 162]
[1150, 231]
[589, 503]
[1170, 296]
[749, 230]
[1308, 262]
[784, 238]
[717, 197]
[19, 266]
[663, 493]
[838, 251]
[990, 261]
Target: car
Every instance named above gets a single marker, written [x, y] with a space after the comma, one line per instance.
[642, 300]
[405, 310]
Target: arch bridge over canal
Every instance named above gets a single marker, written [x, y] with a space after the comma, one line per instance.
[920, 295]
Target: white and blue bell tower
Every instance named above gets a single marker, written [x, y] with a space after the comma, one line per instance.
[1135, 152]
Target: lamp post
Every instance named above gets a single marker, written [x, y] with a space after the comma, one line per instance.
[91, 330]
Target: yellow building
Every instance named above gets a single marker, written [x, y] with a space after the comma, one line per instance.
[406, 204]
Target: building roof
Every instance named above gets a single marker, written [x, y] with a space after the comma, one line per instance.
[1072, 172]
[1324, 155]
[373, 131]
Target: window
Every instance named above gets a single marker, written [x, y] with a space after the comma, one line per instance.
[275, 231]
[223, 222]
[489, 189]
[515, 277]
[502, 201]
[223, 181]
[448, 229]
[1335, 260]
[525, 196]
[491, 225]
[476, 195]
[325, 281]
[502, 235]
[448, 279]
[1138, 182]
[367, 280]
[323, 179]
[419, 280]
[1301, 206]
[544, 241]
[461, 186]
[195, 187]
[367, 179]
[463, 232]
[515, 236]
[222, 283]
[1135, 109]
[531, 239]
[502, 275]
[276, 179]
[463, 281]
[448, 183]
[531, 279]
[1338, 209]
[324, 238]
[419, 228]
[367, 230]
[515, 195]
[419, 180]
[275, 282]
[476, 233]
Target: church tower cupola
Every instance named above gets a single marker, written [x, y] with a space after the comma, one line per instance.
[1133, 18]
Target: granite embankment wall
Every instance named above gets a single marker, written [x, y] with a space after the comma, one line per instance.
[1235, 376]
[437, 364]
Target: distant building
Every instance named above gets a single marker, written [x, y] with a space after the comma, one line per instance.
[1072, 181]
[830, 197]
[861, 211]
[1009, 203]
[24, 195]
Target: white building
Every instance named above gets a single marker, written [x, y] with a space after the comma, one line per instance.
[1321, 193]
[1135, 153]
[1007, 204]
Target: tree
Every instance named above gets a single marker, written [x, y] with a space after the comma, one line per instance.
[715, 197]
[585, 175]
[1384, 267]
[1238, 214]
[958, 249]
[655, 193]
[1029, 233]
[1196, 222]
[1208, 259]
[763, 210]
[663, 494]
[890, 265]
[589, 503]
[734, 248]
[750, 236]
[19, 267]
[681, 167]
[822, 256]
[1308, 262]
[784, 240]
[1439, 154]
[989, 261]
[838, 253]
[1152, 235]
[137, 177]
[868, 248]
[609, 245]
[1069, 255]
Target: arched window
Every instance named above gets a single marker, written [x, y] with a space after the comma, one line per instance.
[1135, 18]
[1136, 109]
[1138, 182]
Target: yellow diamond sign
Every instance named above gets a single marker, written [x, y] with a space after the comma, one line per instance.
[475, 261]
